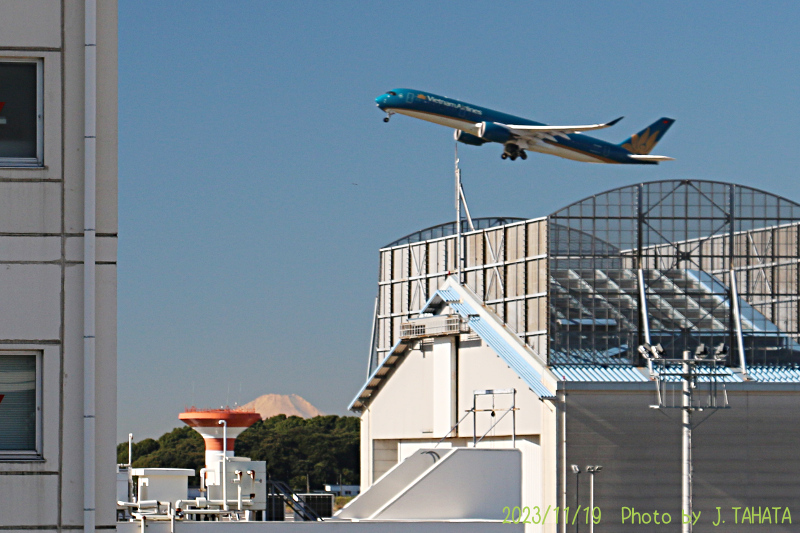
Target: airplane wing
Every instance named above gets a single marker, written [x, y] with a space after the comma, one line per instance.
[550, 132]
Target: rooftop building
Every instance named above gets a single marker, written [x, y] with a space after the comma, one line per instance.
[545, 324]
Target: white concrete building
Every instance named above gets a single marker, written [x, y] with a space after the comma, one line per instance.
[555, 308]
[457, 357]
[58, 214]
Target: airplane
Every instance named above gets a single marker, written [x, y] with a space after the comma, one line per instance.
[478, 125]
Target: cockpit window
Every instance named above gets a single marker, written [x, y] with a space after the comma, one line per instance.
[392, 93]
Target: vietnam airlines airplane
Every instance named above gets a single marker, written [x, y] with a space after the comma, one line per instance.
[478, 125]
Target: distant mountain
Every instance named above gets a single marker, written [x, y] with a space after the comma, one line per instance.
[270, 405]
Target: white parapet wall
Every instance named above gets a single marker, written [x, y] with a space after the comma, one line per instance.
[444, 484]
[333, 526]
[391, 484]
[162, 484]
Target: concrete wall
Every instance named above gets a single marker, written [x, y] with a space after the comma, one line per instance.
[402, 417]
[456, 487]
[41, 264]
[479, 367]
[417, 402]
[745, 456]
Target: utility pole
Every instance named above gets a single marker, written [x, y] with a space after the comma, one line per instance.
[702, 365]
[686, 435]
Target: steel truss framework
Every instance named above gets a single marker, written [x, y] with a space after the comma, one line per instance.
[576, 284]
[675, 252]
[506, 266]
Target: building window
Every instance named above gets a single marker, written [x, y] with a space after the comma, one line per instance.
[21, 113]
[20, 404]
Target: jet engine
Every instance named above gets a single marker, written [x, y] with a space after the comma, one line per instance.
[468, 138]
[491, 131]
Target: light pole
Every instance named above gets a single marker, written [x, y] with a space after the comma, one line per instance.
[703, 365]
[592, 471]
[577, 471]
[224, 424]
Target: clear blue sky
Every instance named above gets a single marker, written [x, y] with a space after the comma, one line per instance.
[258, 181]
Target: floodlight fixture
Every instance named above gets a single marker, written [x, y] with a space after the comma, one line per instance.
[657, 351]
[651, 352]
[577, 471]
[701, 351]
[594, 469]
[721, 351]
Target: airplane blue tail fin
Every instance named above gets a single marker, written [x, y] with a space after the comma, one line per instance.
[643, 142]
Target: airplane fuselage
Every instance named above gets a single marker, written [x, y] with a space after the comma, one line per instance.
[468, 118]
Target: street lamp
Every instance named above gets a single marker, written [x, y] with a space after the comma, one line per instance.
[592, 471]
[577, 471]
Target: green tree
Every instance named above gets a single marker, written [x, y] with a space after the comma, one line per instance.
[324, 448]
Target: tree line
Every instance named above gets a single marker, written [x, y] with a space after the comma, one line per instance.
[324, 448]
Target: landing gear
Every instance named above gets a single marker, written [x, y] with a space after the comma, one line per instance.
[512, 151]
[386, 119]
[388, 116]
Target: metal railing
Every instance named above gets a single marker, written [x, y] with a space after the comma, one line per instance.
[428, 327]
[294, 501]
[474, 412]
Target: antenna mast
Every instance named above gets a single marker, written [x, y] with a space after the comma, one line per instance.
[459, 243]
[461, 198]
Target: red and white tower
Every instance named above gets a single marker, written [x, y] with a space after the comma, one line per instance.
[207, 423]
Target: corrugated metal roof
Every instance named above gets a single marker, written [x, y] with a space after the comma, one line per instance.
[599, 374]
[630, 374]
[511, 356]
[703, 374]
[501, 347]
[448, 295]
[774, 374]
[462, 309]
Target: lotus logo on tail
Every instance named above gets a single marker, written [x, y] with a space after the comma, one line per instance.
[642, 144]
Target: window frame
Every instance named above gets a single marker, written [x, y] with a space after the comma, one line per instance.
[38, 161]
[35, 454]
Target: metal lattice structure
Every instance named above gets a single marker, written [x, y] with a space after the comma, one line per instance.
[506, 266]
[675, 252]
[577, 284]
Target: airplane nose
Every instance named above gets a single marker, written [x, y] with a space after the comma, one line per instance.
[379, 101]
